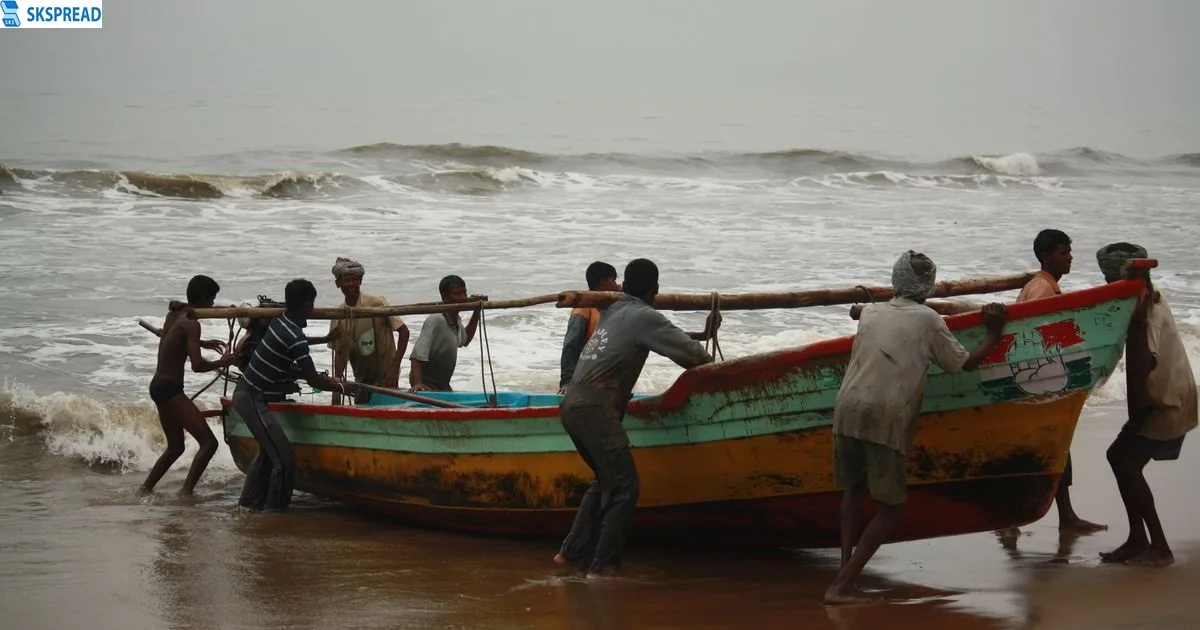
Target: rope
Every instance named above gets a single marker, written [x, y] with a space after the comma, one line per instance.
[486, 346]
[712, 346]
[866, 292]
[232, 344]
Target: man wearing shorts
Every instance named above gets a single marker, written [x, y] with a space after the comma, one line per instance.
[875, 416]
[1161, 392]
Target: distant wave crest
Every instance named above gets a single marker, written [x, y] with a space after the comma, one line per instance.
[481, 170]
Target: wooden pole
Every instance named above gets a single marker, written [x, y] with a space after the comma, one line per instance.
[798, 299]
[407, 396]
[342, 312]
[665, 301]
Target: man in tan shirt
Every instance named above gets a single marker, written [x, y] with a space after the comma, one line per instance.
[875, 416]
[365, 342]
[1161, 393]
[1053, 251]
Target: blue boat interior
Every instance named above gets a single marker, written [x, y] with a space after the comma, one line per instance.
[508, 400]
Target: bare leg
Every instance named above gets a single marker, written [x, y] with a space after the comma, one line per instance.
[193, 423]
[841, 591]
[1068, 519]
[172, 428]
[1123, 460]
[851, 519]
[1158, 554]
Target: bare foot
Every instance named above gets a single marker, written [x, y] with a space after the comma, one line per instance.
[1153, 558]
[1124, 552]
[606, 573]
[1081, 526]
[1009, 531]
[143, 491]
[839, 597]
[560, 560]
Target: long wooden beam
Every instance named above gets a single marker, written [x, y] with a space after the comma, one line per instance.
[665, 301]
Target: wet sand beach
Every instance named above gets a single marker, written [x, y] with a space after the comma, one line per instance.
[81, 550]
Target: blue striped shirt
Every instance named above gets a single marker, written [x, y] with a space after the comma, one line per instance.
[282, 346]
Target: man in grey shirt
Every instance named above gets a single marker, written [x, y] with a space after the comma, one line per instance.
[435, 354]
[595, 405]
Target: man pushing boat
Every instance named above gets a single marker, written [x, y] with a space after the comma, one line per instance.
[600, 276]
[875, 415]
[1161, 392]
[595, 405]
[366, 343]
[268, 377]
[435, 355]
[179, 341]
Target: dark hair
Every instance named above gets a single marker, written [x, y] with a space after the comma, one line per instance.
[597, 272]
[202, 288]
[641, 275]
[1049, 240]
[299, 292]
[449, 282]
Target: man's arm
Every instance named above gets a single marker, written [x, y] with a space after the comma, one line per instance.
[711, 324]
[572, 345]
[993, 317]
[308, 372]
[402, 335]
[664, 338]
[474, 323]
[299, 353]
[414, 376]
[421, 351]
[199, 363]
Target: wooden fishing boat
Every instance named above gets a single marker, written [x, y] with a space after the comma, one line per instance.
[737, 452]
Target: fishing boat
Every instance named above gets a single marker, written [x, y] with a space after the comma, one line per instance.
[737, 452]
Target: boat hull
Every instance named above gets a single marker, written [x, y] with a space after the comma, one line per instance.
[738, 452]
[971, 470]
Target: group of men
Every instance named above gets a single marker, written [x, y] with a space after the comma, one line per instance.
[604, 351]
[273, 360]
[875, 416]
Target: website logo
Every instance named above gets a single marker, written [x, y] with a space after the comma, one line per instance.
[11, 18]
[53, 14]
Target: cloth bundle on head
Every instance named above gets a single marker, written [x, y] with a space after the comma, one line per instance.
[910, 284]
[1115, 256]
[347, 267]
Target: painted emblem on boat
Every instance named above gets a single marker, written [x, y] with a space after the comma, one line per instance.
[1068, 366]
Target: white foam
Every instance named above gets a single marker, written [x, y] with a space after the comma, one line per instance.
[1011, 164]
[125, 435]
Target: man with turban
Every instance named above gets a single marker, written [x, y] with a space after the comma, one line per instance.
[365, 342]
[1161, 392]
[875, 416]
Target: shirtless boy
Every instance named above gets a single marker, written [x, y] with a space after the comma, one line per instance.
[180, 341]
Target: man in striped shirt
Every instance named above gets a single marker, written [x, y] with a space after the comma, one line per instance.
[270, 375]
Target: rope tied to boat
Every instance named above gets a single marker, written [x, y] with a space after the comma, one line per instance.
[866, 292]
[485, 347]
[223, 372]
[712, 346]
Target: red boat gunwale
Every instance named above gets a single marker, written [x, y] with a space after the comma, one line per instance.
[735, 372]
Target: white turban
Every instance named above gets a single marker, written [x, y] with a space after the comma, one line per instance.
[908, 283]
[347, 267]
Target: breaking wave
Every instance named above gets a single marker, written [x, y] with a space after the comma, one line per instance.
[122, 436]
[475, 170]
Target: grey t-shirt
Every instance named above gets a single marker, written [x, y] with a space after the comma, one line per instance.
[884, 385]
[612, 359]
[437, 350]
